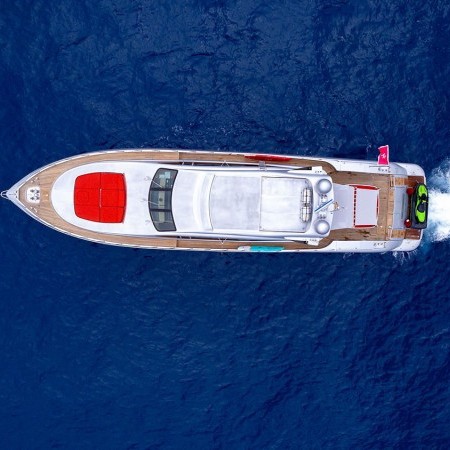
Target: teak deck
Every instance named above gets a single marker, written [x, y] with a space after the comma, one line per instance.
[45, 212]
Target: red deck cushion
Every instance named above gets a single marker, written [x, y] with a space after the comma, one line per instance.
[100, 197]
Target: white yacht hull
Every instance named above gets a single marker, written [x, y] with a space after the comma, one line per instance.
[220, 201]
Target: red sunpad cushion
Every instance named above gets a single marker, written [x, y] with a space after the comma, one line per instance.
[112, 180]
[88, 181]
[111, 215]
[87, 196]
[100, 197]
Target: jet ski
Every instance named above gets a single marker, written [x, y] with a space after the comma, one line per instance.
[419, 207]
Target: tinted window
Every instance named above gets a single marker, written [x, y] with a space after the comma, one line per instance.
[160, 199]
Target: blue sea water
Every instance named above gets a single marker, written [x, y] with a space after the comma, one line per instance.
[119, 348]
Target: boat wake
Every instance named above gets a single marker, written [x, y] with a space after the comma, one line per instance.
[439, 206]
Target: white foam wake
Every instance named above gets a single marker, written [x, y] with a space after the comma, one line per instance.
[439, 203]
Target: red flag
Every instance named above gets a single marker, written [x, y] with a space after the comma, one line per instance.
[383, 157]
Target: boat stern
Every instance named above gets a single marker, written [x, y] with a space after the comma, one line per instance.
[410, 214]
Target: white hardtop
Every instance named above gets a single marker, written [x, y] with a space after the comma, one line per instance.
[254, 202]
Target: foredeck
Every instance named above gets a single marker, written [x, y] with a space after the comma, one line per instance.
[45, 212]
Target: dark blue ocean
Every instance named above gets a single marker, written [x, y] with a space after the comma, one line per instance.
[113, 348]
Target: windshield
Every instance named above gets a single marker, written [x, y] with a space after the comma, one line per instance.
[160, 199]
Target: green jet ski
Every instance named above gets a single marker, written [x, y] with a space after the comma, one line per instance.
[419, 207]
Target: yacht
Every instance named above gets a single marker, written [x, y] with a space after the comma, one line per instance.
[224, 201]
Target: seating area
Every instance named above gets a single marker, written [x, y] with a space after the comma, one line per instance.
[100, 197]
[357, 206]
